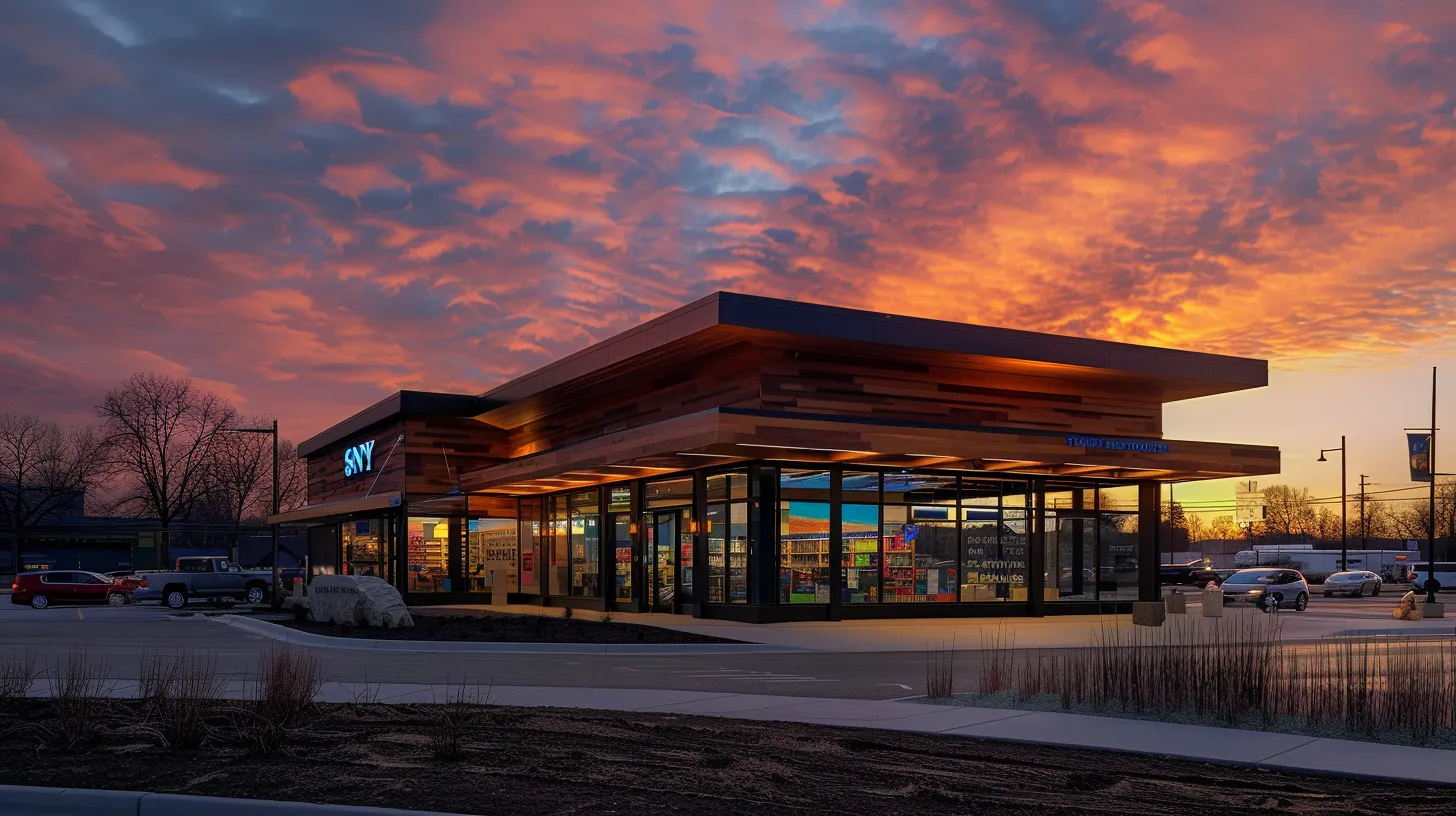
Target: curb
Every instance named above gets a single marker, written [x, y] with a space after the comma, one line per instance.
[296, 638]
[87, 802]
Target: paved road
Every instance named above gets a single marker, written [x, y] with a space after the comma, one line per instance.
[121, 637]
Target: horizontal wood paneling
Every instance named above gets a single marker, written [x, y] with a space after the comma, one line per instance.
[326, 480]
[438, 449]
[818, 383]
[698, 378]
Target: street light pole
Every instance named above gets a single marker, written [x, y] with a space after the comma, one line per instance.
[1344, 527]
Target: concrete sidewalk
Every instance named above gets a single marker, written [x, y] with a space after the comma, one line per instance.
[1192, 742]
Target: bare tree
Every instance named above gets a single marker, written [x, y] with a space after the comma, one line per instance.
[43, 469]
[1288, 511]
[292, 477]
[241, 476]
[1223, 528]
[164, 434]
[1326, 524]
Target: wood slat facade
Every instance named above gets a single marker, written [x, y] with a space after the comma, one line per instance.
[734, 381]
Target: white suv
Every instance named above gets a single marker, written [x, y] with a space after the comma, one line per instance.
[1265, 586]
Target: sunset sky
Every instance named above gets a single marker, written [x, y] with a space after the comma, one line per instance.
[309, 205]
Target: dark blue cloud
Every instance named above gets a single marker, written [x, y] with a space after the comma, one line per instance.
[579, 161]
[780, 235]
[856, 184]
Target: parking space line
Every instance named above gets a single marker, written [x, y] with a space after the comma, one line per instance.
[79, 616]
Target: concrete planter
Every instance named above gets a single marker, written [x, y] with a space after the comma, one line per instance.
[1149, 613]
[1213, 603]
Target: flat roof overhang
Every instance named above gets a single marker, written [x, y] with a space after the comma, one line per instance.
[725, 436]
[337, 510]
[724, 317]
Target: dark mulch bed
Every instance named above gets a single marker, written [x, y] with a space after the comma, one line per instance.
[494, 627]
[556, 761]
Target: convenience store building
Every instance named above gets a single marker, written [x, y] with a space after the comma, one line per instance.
[767, 460]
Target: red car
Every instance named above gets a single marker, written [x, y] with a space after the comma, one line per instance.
[41, 589]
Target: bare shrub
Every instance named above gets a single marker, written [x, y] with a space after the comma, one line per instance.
[998, 656]
[567, 613]
[79, 690]
[287, 685]
[178, 692]
[606, 618]
[453, 719]
[1238, 671]
[940, 671]
[17, 677]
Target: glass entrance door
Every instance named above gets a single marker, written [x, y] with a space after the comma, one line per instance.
[1072, 553]
[662, 542]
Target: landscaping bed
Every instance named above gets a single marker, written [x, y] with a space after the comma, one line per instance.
[557, 761]
[499, 627]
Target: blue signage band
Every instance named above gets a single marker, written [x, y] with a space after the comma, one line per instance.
[1100, 443]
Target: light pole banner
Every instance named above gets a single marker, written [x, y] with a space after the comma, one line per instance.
[1420, 456]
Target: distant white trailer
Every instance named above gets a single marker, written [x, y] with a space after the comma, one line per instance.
[1307, 559]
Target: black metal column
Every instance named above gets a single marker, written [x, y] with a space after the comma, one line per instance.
[1036, 551]
[763, 520]
[606, 550]
[1150, 496]
[1079, 539]
[836, 543]
[700, 544]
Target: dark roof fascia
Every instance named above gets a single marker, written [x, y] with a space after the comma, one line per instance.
[401, 404]
[817, 321]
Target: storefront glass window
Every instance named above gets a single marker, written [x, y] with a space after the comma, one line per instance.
[920, 488]
[669, 492]
[921, 564]
[619, 499]
[737, 544]
[622, 556]
[988, 575]
[365, 550]
[586, 545]
[429, 555]
[861, 487]
[724, 486]
[560, 530]
[804, 485]
[803, 552]
[490, 547]
[530, 543]
[860, 532]
[1013, 536]
[1117, 538]
[717, 522]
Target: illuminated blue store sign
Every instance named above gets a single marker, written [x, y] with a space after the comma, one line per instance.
[359, 459]
[1099, 443]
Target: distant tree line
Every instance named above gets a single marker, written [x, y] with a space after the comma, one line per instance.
[1291, 513]
[163, 448]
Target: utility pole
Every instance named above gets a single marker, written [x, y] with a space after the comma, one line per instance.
[1364, 522]
[1344, 528]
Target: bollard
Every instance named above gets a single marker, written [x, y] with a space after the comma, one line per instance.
[1213, 602]
[1177, 603]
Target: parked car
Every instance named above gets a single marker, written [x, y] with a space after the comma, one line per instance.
[126, 578]
[1354, 582]
[45, 587]
[1194, 573]
[209, 577]
[1267, 586]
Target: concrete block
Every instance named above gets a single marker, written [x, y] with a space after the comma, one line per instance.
[1213, 603]
[1433, 610]
[1177, 603]
[1149, 613]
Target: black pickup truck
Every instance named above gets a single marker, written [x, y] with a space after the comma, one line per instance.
[1193, 573]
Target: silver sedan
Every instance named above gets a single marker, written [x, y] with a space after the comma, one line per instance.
[1354, 583]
